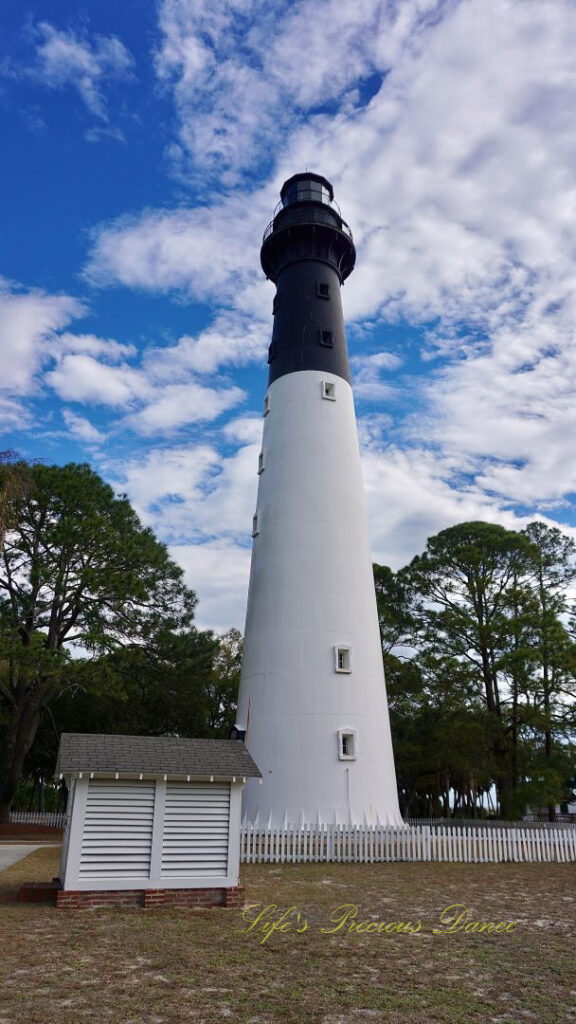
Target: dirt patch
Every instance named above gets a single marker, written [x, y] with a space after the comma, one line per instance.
[30, 833]
[152, 967]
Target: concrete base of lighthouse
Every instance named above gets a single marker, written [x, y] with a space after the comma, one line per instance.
[312, 696]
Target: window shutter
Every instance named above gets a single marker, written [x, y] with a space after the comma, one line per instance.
[196, 824]
[117, 837]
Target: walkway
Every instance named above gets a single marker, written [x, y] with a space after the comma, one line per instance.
[11, 853]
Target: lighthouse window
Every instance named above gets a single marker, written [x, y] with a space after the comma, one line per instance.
[342, 659]
[326, 338]
[261, 465]
[347, 745]
[266, 408]
[322, 290]
[255, 525]
[329, 390]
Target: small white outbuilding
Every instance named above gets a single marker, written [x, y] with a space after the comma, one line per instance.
[152, 820]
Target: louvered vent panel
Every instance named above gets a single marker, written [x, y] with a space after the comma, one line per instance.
[195, 840]
[117, 837]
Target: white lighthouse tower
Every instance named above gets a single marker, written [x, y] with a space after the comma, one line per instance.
[312, 698]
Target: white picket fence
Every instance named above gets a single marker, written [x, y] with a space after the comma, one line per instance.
[56, 819]
[375, 844]
[493, 823]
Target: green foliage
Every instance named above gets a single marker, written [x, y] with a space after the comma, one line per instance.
[395, 611]
[182, 684]
[14, 484]
[79, 567]
[481, 617]
[80, 573]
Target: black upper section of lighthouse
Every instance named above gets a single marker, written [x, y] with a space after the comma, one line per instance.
[308, 252]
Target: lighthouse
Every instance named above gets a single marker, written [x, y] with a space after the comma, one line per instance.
[312, 704]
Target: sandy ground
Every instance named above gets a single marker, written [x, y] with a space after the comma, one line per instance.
[180, 966]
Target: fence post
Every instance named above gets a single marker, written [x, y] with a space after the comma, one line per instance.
[426, 835]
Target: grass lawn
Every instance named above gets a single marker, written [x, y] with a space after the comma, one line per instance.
[148, 967]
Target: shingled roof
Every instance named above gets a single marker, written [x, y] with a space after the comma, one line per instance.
[153, 755]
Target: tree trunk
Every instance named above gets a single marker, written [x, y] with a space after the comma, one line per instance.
[546, 679]
[505, 793]
[548, 746]
[18, 738]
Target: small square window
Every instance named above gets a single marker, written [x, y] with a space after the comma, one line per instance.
[322, 290]
[261, 463]
[326, 339]
[329, 390]
[266, 408]
[347, 745]
[342, 658]
[255, 525]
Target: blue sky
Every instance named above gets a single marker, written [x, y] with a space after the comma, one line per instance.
[144, 146]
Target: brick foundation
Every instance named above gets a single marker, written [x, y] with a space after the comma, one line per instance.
[234, 897]
[90, 899]
[184, 898]
[39, 892]
[150, 898]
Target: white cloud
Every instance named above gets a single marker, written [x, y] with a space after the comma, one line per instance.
[231, 340]
[245, 429]
[201, 501]
[13, 416]
[243, 74]
[210, 252]
[99, 132]
[32, 120]
[29, 323]
[195, 492]
[457, 186]
[164, 476]
[181, 404]
[457, 176]
[109, 350]
[511, 411]
[367, 380]
[151, 406]
[218, 571]
[414, 493]
[64, 58]
[223, 102]
[211, 255]
[82, 378]
[459, 182]
[81, 429]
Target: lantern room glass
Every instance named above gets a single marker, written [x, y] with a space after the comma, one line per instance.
[306, 191]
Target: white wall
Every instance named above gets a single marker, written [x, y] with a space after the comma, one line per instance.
[131, 834]
[311, 588]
